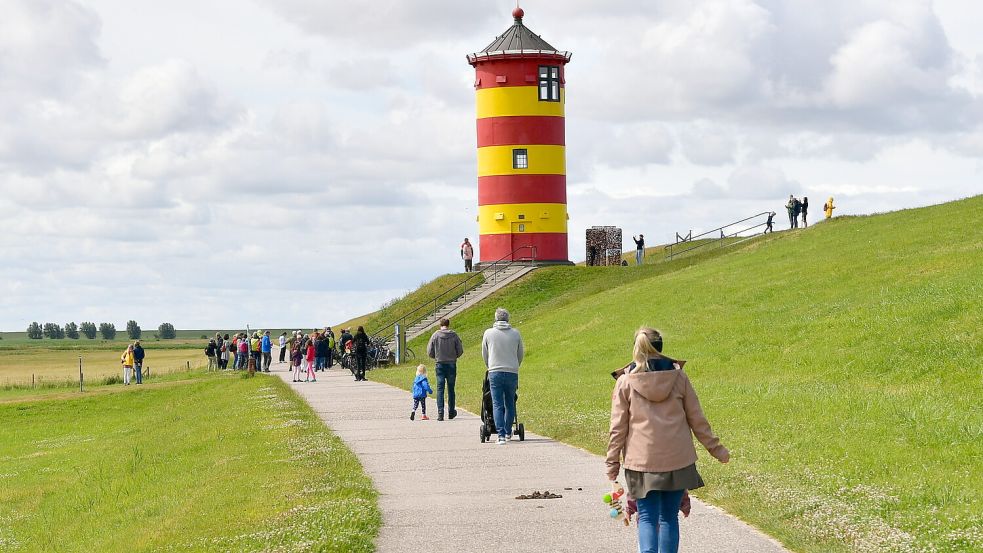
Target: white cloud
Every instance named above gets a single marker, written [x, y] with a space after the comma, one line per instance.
[325, 151]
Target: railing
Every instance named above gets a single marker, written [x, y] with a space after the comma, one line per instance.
[718, 238]
[432, 306]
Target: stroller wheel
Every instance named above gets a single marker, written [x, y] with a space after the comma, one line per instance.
[481, 433]
[522, 432]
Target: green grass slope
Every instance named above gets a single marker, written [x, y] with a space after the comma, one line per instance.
[840, 363]
[213, 463]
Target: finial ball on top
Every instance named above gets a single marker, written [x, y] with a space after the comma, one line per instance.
[518, 13]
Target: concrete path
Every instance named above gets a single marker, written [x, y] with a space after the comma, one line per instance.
[441, 490]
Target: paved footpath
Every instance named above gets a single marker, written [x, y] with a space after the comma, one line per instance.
[441, 490]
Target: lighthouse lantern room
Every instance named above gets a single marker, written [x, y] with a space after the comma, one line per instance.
[522, 184]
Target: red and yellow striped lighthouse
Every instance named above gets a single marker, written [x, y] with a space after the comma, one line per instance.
[522, 183]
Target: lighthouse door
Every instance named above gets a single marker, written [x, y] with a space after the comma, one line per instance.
[519, 239]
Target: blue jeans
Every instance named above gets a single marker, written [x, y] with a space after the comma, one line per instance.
[658, 522]
[503, 386]
[446, 374]
[138, 371]
[320, 363]
[639, 254]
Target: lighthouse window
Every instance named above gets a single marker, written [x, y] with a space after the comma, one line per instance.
[520, 158]
[549, 83]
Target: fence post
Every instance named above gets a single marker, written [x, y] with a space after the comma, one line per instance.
[32, 381]
[81, 376]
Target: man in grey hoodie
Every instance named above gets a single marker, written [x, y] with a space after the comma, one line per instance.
[445, 348]
[502, 351]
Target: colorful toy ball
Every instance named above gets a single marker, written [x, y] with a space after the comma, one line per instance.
[614, 513]
[607, 498]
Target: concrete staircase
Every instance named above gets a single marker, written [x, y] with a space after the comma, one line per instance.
[495, 279]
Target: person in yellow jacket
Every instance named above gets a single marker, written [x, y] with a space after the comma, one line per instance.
[127, 360]
[828, 207]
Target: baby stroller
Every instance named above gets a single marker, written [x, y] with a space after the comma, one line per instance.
[488, 417]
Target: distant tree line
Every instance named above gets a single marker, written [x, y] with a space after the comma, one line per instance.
[54, 331]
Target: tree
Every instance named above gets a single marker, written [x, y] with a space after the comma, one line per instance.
[108, 331]
[53, 331]
[88, 329]
[166, 331]
[34, 331]
[72, 331]
[133, 330]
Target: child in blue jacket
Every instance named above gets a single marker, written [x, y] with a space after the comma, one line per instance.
[421, 387]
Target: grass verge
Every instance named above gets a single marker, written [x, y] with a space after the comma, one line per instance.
[214, 463]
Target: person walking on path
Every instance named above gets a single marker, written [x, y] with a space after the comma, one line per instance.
[296, 358]
[138, 356]
[329, 338]
[127, 360]
[445, 348]
[769, 223]
[828, 207]
[421, 387]
[639, 248]
[654, 414]
[467, 254]
[346, 337]
[311, 356]
[804, 209]
[266, 348]
[790, 206]
[321, 352]
[283, 346]
[502, 350]
[361, 346]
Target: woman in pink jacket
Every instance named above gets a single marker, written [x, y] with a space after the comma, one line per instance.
[654, 414]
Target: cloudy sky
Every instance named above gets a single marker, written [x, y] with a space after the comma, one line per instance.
[214, 163]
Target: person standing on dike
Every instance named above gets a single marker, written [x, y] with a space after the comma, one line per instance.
[654, 414]
[467, 254]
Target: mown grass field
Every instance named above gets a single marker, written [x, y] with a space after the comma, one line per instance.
[840, 363]
[206, 463]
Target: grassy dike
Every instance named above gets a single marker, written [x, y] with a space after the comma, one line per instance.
[210, 463]
[840, 363]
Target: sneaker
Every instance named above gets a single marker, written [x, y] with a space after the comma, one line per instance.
[440, 416]
[509, 437]
[452, 414]
[413, 415]
[501, 440]
[424, 418]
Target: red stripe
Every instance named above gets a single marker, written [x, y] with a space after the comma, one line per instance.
[531, 129]
[516, 71]
[549, 246]
[522, 189]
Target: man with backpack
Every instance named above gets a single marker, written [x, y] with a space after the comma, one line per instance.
[445, 348]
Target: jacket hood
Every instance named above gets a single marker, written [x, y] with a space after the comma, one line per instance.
[446, 331]
[501, 325]
[653, 386]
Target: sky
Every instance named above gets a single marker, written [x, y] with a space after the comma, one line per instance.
[279, 163]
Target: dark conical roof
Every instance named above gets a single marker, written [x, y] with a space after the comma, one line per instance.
[518, 39]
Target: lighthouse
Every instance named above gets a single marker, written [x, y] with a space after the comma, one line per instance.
[522, 184]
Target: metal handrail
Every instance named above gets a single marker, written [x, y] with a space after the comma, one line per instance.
[717, 240]
[508, 261]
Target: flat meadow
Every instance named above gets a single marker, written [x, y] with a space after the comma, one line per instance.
[194, 462]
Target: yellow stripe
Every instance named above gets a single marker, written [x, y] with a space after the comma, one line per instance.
[506, 101]
[541, 159]
[504, 218]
